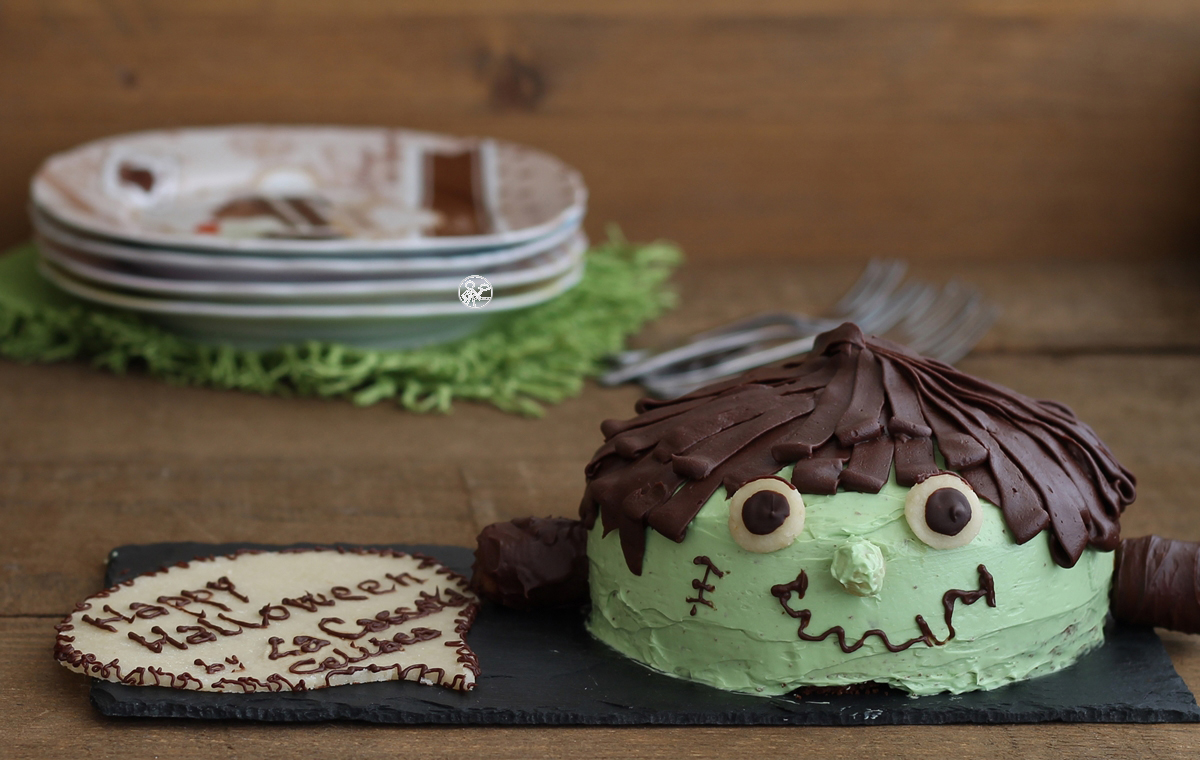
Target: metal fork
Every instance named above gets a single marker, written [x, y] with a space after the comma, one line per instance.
[943, 323]
[950, 335]
[868, 295]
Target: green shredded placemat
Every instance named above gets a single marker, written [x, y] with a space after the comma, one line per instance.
[517, 362]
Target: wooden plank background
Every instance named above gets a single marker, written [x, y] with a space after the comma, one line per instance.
[809, 129]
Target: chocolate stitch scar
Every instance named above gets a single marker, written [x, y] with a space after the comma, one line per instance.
[702, 585]
[844, 416]
[242, 623]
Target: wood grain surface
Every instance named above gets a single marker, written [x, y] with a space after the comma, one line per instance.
[1047, 152]
[792, 130]
[89, 461]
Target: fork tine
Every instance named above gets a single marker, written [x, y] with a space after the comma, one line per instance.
[748, 323]
[881, 314]
[877, 312]
[961, 330]
[689, 352]
[983, 323]
[624, 360]
[866, 281]
[877, 281]
[909, 326]
[941, 314]
[943, 335]
[680, 383]
[941, 322]
[971, 329]
[894, 309]
[879, 278]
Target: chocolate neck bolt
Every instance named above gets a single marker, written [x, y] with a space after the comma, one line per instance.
[1157, 582]
[532, 562]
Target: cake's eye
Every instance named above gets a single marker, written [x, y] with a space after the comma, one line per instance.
[766, 515]
[943, 511]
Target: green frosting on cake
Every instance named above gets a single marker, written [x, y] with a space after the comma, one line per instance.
[739, 636]
[858, 565]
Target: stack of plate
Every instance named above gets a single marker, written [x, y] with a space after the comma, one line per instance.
[258, 236]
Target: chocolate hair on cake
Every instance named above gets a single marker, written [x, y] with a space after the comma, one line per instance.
[844, 416]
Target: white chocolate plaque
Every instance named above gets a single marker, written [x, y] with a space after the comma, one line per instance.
[290, 620]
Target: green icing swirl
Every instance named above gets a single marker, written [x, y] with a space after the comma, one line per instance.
[859, 566]
[1045, 616]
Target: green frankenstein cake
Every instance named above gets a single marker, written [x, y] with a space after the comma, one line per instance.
[865, 515]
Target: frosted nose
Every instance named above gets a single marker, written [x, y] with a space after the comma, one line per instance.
[859, 566]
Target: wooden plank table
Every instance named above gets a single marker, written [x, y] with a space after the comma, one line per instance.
[89, 461]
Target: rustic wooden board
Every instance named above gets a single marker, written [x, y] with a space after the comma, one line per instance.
[89, 461]
[794, 130]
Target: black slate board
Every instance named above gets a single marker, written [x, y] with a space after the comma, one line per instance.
[544, 669]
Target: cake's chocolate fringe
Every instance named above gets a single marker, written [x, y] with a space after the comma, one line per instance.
[1157, 582]
[844, 416]
[532, 562]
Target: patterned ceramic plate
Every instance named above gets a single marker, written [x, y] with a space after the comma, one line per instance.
[309, 190]
[107, 274]
[399, 307]
[182, 265]
[370, 325]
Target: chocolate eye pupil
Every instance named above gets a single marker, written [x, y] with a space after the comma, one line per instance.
[947, 511]
[764, 512]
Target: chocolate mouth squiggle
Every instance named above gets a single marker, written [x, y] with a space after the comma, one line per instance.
[986, 590]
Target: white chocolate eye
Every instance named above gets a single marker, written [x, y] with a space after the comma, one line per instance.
[766, 515]
[943, 511]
